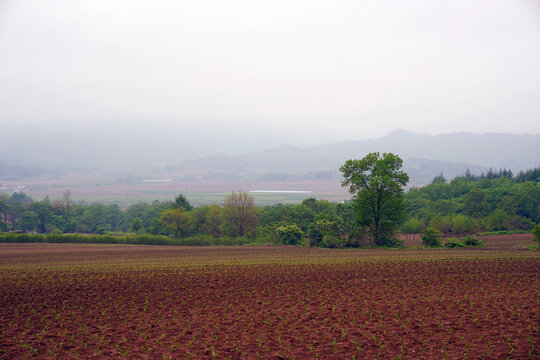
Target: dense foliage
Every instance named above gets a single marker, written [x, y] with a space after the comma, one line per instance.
[463, 206]
[377, 183]
[328, 224]
[495, 201]
[431, 237]
[536, 232]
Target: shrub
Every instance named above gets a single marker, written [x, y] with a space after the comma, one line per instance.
[471, 241]
[333, 242]
[143, 239]
[21, 238]
[536, 232]
[431, 237]
[453, 243]
[504, 232]
[322, 229]
[289, 234]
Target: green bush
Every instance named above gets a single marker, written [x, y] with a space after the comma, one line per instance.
[21, 238]
[471, 241]
[431, 237]
[143, 239]
[321, 229]
[453, 243]
[332, 242]
[289, 235]
[536, 232]
[504, 232]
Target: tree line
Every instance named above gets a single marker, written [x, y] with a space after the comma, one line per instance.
[496, 201]
[378, 210]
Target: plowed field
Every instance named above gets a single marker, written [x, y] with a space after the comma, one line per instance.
[71, 302]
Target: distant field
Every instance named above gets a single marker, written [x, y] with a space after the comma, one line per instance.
[106, 190]
[195, 198]
[271, 302]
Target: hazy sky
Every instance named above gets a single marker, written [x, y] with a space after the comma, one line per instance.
[360, 68]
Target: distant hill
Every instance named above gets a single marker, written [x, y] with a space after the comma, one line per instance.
[516, 152]
[425, 156]
[225, 154]
[148, 145]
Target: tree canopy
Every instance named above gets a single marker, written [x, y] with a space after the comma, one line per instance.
[461, 206]
[240, 213]
[377, 184]
[181, 201]
[176, 220]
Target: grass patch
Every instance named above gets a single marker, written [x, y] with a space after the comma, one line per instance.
[142, 239]
[505, 232]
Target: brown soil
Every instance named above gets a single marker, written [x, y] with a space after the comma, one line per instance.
[93, 302]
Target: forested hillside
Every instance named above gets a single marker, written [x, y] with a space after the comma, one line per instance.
[468, 203]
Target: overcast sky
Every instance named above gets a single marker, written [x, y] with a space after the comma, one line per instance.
[358, 68]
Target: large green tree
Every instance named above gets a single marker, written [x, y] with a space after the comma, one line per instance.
[377, 184]
[176, 220]
[208, 219]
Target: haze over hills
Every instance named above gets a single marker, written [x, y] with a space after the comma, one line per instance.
[132, 145]
[213, 152]
[425, 156]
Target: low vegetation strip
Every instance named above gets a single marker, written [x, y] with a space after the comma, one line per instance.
[143, 239]
[110, 301]
[515, 240]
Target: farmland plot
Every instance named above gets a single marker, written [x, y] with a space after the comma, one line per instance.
[61, 301]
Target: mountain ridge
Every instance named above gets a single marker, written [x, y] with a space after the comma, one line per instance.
[177, 154]
[424, 155]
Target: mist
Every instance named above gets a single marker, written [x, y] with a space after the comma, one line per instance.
[229, 95]
[353, 69]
